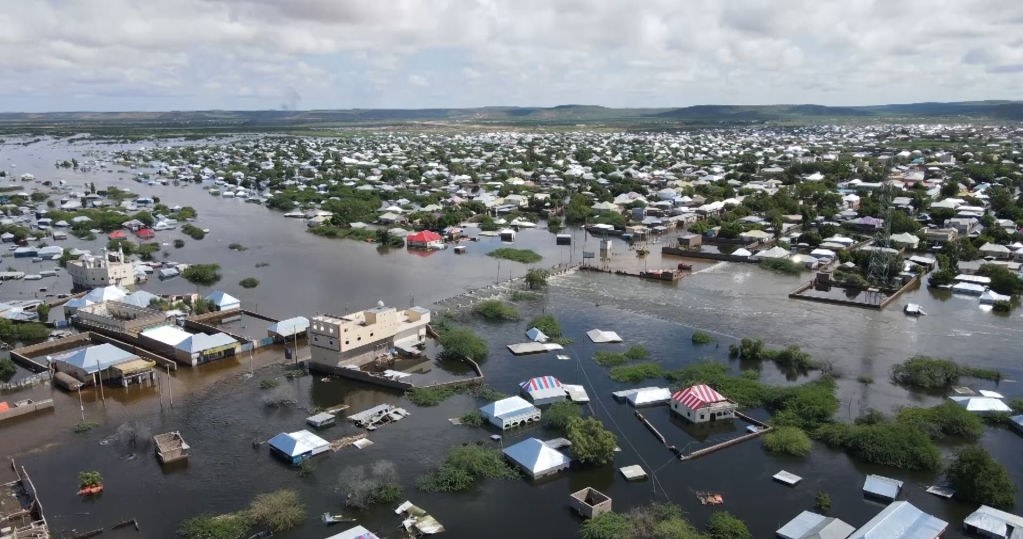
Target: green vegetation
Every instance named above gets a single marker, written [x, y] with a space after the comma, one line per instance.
[865, 379]
[537, 278]
[429, 396]
[521, 295]
[28, 332]
[179, 243]
[306, 468]
[701, 337]
[7, 369]
[1003, 280]
[204, 274]
[636, 352]
[249, 282]
[654, 521]
[724, 525]
[215, 527]
[362, 486]
[525, 256]
[946, 420]
[465, 466]
[789, 358]
[978, 478]
[472, 419]
[637, 373]
[90, 478]
[495, 310]
[193, 231]
[43, 311]
[924, 372]
[237, 247]
[606, 526]
[460, 343]
[592, 443]
[548, 325]
[84, 426]
[269, 383]
[782, 265]
[822, 502]
[878, 440]
[787, 441]
[278, 511]
[561, 414]
[609, 359]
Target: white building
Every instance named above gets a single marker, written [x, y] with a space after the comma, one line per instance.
[97, 271]
[510, 412]
[536, 458]
[901, 520]
[700, 404]
[224, 301]
[358, 338]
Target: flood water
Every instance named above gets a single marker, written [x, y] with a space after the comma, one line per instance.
[220, 410]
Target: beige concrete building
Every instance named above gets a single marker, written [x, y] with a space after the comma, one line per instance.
[359, 338]
[120, 317]
[91, 271]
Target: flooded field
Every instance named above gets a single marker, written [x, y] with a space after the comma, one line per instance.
[221, 410]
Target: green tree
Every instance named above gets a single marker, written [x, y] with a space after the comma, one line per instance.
[279, 510]
[7, 369]
[724, 525]
[592, 443]
[1003, 280]
[461, 343]
[578, 210]
[606, 526]
[561, 414]
[787, 440]
[204, 274]
[43, 311]
[978, 478]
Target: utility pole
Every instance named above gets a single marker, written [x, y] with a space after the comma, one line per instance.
[170, 388]
[81, 404]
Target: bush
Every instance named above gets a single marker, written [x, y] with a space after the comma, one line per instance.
[747, 349]
[978, 478]
[636, 352]
[609, 359]
[883, 443]
[237, 247]
[179, 243]
[429, 396]
[215, 527]
[724, 525]
[944, 420]
[249, 282]
[537, 278]
[7, 369]
[661, 520]
[822, 502]
[464, 466]
[461, 343]
[787, 441]
[472, 419]
[592, 443]
[525, 256]
[782, 265]
[495, 310]
[701, 337]
[926, 372]
[362, 486]
[204, 274]
[547, 324]
[561, 414]
[606, 526]
[279, 510]
[89, 479]
[636, 373]
[269, 383]
[193, 231]
[520, 295]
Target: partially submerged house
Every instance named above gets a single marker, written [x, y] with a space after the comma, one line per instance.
[188, 348]
[426, 239]
[901, 520]
[701, 404]
[990, 522]
[543, 390]
[294, 447]
[288, 329]
[536, 458]
[357, 532]
[510, 412]
[224, 301]
[353, 340]
[881, 487]
[103, 362]
[810, 525]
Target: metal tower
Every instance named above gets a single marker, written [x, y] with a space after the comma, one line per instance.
[878, 272]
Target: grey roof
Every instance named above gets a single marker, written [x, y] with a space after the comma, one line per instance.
[290, 326]
[222, 299]
[201, 341]
[810, 525]
[882, 487]
[995, 523]
[509, 407]
[901, 520]
[536, 457]
[96, 358]
[357, 532]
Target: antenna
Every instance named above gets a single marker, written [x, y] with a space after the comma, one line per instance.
[880, 257]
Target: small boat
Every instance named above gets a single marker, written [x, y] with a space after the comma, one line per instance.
[912, 309]
[330, 519]
[88, 491]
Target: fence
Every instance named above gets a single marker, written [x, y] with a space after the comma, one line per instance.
[37, 378]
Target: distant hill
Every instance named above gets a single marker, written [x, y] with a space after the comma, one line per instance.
[562, 115]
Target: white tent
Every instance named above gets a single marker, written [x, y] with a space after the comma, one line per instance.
[536, 458]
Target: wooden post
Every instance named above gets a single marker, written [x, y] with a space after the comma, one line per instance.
[170, 389]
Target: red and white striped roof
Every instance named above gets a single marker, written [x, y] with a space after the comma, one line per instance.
[696, 397]
[540, 383]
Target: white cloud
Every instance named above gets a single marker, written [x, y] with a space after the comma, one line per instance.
[122, 54]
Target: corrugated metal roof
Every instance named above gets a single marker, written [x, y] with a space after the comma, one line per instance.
[536, 456]
[698, 396]
[882, 487]
[901, 520]
[510, 406]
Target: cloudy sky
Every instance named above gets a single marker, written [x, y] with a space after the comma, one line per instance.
[304, 54]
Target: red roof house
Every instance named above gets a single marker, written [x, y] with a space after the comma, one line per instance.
[145, 233]
[426, 239]
[118, 235]
[700, 404]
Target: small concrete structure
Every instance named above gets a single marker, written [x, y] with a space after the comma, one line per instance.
[510, 412]
[787, 478]
[634, 472]
[590, 502]
[170, 447]
[294, 447]
[321, 420]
